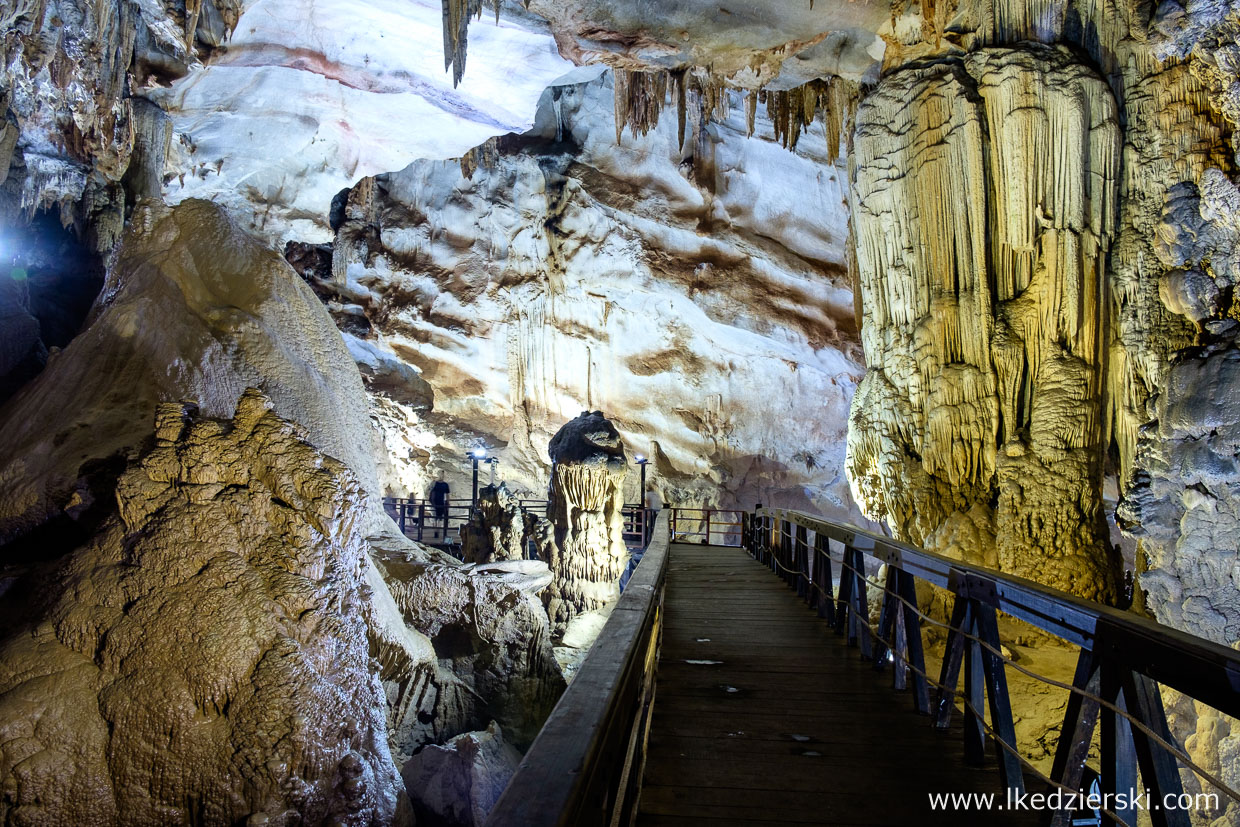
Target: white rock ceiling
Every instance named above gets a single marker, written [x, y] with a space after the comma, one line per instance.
[311, 95]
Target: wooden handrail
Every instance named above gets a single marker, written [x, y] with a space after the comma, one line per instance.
[1202, 669]
[585, 764]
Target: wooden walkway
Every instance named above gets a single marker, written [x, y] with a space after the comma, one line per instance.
[764, 716]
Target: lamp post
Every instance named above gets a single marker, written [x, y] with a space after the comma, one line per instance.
[477, 455]
[641, 498]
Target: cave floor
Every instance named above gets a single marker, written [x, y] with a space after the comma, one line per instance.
[764, 716]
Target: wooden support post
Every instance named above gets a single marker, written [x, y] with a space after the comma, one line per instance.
[1119, 757]
[844, 599]
[953, 659]
[1076, 734]
[974, 687]
[1159, 769]
[859, 615]
[907, 589]
[826, 583]
[1001, 722]
[886, 638]
[802, 563]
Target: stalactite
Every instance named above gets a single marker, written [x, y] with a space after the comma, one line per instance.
[792, 111]
[678, 78]
[751, 111]
[639, 98]
[456, 17]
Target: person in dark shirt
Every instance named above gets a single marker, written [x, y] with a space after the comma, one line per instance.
[439, 500]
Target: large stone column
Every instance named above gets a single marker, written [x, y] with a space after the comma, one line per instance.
[985, 198]
[588, 555]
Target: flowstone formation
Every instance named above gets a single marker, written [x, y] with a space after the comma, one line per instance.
[204, 657]
[501, 529]
[586, 507]
[1074, 361]
[680, 287]
[984, 210]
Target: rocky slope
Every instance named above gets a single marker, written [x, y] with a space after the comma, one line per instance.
[204, 656]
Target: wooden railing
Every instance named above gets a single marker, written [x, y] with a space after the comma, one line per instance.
[418, 520]
[708, 526]
[585, 766]
[1123, 659]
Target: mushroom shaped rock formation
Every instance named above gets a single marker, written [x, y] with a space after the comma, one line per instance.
[204, 657]
[587, 502]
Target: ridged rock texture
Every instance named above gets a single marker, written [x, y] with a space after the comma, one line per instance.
[500, 528]
[1151, 349]
[203, 658]
[984, 206]
[195, 308]
[681, 288]
[586, 507]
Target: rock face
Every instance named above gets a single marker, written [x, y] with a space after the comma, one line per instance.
[194, 308]
[981, 280]
[680, 288]
[320, 93]
[197, 308]
[586, 508]
[492, 657]
[1135, 381]
[203, 658]
[458, 783]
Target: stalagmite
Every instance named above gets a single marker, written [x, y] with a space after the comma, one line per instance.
[589, 555]
[499, 528]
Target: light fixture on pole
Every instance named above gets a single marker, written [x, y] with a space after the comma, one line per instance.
[477, 455]
[641, 463]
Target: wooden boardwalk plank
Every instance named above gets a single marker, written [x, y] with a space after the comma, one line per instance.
[763, 716]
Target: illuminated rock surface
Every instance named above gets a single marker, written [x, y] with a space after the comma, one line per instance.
[698, 295]
[1043, 243]
[204, 655]
[587, 479]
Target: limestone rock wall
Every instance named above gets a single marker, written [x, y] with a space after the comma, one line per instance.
[985, 201]
[204, 657]
[194, 308]
[1157, 417]
[696, 293]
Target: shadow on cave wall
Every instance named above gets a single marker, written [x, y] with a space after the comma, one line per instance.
[48, 282]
